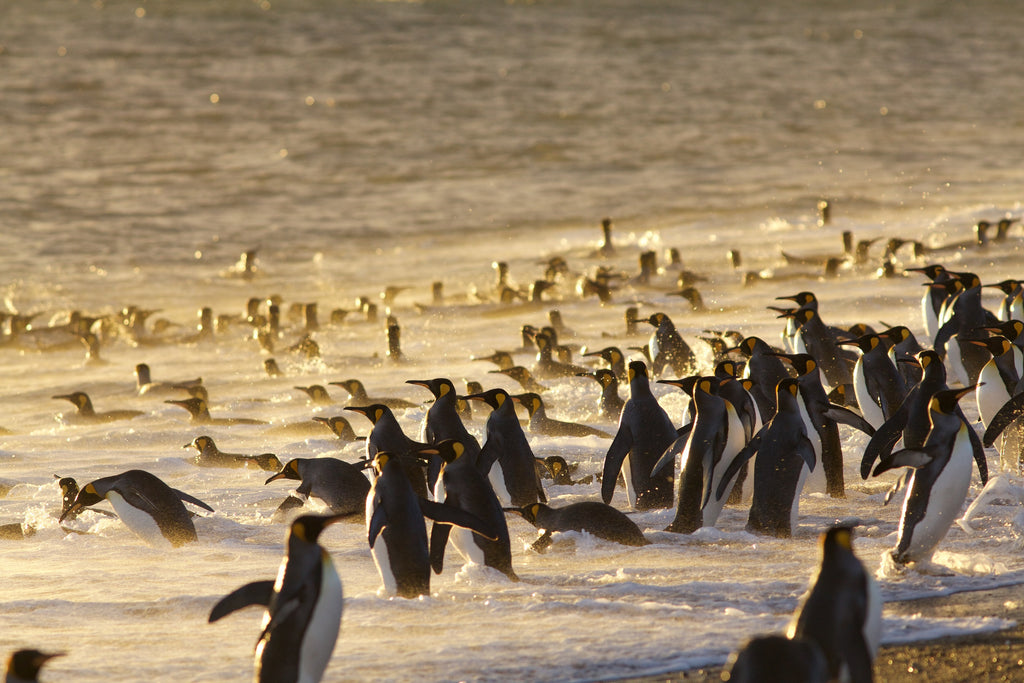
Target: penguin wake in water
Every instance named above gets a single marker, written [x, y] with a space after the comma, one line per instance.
[842, 610]
[303, 608]
[146, 505]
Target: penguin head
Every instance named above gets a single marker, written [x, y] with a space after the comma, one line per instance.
[687, 384]
[839, 536]
[79, 398]
[439, 386]
[604, 376]
[289, 471]
[531, 401]
[24, 665]
[495, 398]
[898, 333]
[726, 368]
[637, 368]
[373, 412]
[68, 490]
[86, 497]
[997, 346]
[786, 390]
[200, 443]
[353, 386]
[800, 298]
[528, 512]
[308, 527]
[449, 450]
[945, 401]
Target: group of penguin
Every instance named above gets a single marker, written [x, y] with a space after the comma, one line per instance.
[779, 407]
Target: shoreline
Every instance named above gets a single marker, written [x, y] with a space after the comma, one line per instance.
[989, 656]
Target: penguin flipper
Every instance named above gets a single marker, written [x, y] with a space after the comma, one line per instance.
[977, 450]
[739, 461]
[844, 415]
[613, 459]
[438, 541]
[378, 521]
[805, 450]
[1010, 411]
[451, 515]
[186, 498]
[685, 429]
[255, 593]
[489, 454]
[908, 457]
[710, 458]
[883, 440]
[669, 456]
[895, 488]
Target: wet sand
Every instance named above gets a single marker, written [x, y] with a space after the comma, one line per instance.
[992, 656]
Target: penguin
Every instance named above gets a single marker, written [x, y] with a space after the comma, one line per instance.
[387, 435]
[614, 358]
[359, 397]
[506, 457]
[23, 665]
[764, 370]
[842, 610]
[444, 418]
[523, 376]
[87, 414]
[462, 485]
[503, 359]
[668, 348]
[1012, 305]
[317, 394]
[396, 532]
[777, 659]
[903, 346]
[998, 382]
[144, 383]
[716, 437]
[644, 432]
[210, 456]
[272, 369]
[339, 426]
[340, 485]
[540, 423]
[303, 608]
[546, 367]
[146, 505]
[877, 383]
[933, 297]
[821, 343]
[595, 518]
[937, 487]
[610, 403]
[784, 458]
[199, 413]
[561, 471]
[966, 315]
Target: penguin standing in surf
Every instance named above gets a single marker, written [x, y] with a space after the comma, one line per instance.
[938, 485]
[303, 608]
[645, 431]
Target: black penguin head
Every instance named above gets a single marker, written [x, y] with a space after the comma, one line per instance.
[495, 398]
[68, 490]
[839, 536]
[372, 412]
[448, 450]
[86, 497]
[308, 527]
[439, 386]
[24, 665]
[897, 333]
[201, 443]
[316, 392]
[637, 368]
[604, 376]
[997, 346]
[945, 401]
[528, 512]
[195, 406]
[786, 390]
[687, 384]
[800, 298]
[79, 399]
[289, 471]
[353, 386]
[531, 401]
[726, 368]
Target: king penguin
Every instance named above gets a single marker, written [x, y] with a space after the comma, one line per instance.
[938, 485]
[23, 665]
[341, 486]
[842, 610]
[877, 383]
[645, 431]
[595, 518]
[146, 505]
[387, 435]
[303, 608]
[443, 419]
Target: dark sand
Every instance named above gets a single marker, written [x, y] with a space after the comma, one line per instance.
[994, 656]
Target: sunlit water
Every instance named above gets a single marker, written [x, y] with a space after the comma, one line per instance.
[358, 145]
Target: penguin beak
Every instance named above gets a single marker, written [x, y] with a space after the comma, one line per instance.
[275, 477]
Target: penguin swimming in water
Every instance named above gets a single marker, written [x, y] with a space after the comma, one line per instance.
[210, 456]
[842, 610]
[938, 486]
[645, 431]
[396, 533]
[340, 485]
[87, 414]
[144, 383]
[23, 666]
[359, 397]
[199, 413]
[506, 457]
[339, 426]
[668, 348]
[461, 484]
[540, 423]
[146, 505]
[595, 518]
[610, 404]
[303, 608]
[317, 394]
[784, 458]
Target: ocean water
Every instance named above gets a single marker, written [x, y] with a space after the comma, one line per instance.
[356, 145]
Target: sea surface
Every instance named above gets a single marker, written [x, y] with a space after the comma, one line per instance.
[355, 145]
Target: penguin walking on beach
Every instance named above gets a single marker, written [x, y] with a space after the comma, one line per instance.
[506, 457]
[462, 485]
[785, 456]
[842, 610]
[146, 505]
[397, 534]
[645, 431]
[341, 486]
[937, 487]
[303, 608]
[592, 517]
